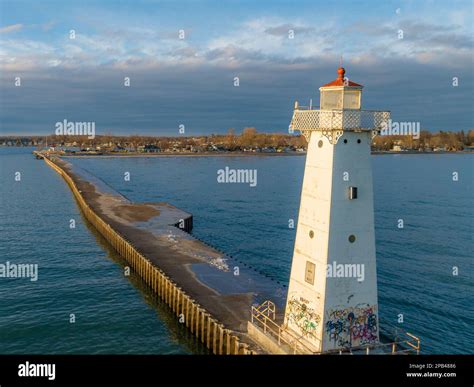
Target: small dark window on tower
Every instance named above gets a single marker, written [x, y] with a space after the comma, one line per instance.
[311, 234]
[310, 272]
[352, 193]
[345, 141]
[358, 141]
[352, 238]
[320, 143]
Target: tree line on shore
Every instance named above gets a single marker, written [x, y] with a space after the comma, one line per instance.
[248, 140]
[450, 141]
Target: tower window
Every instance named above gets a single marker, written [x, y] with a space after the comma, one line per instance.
[352, 238]
[320, 143]
[352, 193]
[309, 272]
[358, 141]
[311, 234]
[345, 141]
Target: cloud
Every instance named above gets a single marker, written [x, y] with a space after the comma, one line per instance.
[11, 28]
[254, 41]
[203, 97]
[266, 40]
[283, 30]
[437, 44]
[184, 52]
[190, 81]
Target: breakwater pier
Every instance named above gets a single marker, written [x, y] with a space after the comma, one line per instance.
[208, 292]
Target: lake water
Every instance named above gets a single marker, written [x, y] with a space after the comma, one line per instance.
[79, 274]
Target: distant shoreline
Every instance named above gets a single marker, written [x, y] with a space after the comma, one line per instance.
[186, 154]
[414, 152]
[227, 154]
[240, 154]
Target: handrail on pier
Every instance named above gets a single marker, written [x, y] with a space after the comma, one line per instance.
[263, 316]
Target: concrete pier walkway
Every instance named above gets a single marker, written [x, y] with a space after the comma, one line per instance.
[219, 284]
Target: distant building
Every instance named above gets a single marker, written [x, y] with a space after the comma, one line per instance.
[149, 148]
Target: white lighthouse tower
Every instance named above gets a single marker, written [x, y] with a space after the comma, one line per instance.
[332, 296]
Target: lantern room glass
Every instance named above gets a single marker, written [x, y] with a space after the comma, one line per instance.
[340, 99]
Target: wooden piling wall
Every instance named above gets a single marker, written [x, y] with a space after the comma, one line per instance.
[201, 323]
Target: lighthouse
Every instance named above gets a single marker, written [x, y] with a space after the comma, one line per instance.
[332, 294]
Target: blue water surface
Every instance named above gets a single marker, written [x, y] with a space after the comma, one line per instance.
[81, 275]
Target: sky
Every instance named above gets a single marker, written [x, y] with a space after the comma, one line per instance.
[405, 53]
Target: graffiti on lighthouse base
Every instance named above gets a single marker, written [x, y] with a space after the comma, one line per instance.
[352, 326]
[303, 316]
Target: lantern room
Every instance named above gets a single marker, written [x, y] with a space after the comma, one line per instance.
[341, 93]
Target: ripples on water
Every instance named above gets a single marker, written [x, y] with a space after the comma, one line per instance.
[81, 275]
[78, 274]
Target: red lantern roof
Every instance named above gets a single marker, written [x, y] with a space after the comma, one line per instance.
[340, 80]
